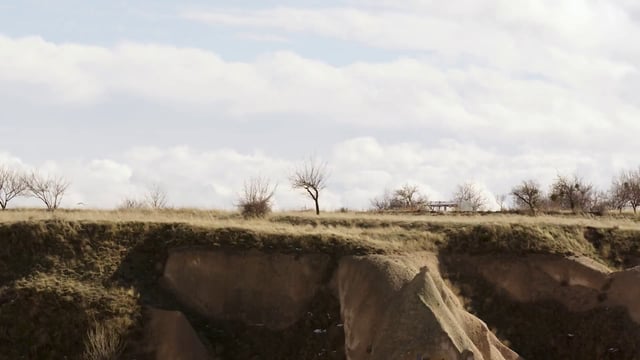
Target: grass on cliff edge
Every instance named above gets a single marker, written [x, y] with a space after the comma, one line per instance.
[611, 240]
[67, 270]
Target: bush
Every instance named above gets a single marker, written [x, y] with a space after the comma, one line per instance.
[406, 198]
[256, 198]
[132, 204]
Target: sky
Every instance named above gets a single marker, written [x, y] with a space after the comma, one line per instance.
[200, 96]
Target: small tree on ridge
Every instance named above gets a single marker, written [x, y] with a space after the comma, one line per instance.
[469, 194]
[527, 195]
[12, 185]
[572, 193]
[312, 177]
[50, 190]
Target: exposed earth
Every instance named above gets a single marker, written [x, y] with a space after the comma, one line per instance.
[325, 288]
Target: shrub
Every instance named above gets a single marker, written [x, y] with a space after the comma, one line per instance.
[131, 204]
[406, 198]
[256, 198]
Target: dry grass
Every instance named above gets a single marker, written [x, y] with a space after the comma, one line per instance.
[104, 342]
[372, 232]
[628, 221]
[345, 233]
[86, 263]
[48, 313]
[220, 218]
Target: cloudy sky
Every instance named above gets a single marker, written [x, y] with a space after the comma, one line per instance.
[198, 96]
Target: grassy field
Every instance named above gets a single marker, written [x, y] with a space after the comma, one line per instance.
[77, 268]
[199, 217]
[367, 232]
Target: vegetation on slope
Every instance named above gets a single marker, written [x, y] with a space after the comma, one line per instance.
[62, 273]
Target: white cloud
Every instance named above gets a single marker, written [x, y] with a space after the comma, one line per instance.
[260, 37]
[410, 93]
[521, 56]
[512, 30]
[492, 92]
[214, 178]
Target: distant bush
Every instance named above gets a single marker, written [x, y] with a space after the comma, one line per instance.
[256, 198]
[155, 198]
[132, 204]
[406, 198]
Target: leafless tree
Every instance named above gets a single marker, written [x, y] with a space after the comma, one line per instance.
[625, 190]
[312, 177]
[407, 197]
[634, 189]
[469, 195]
[599, 203]
[12, 185]
[619, 192]
[528, 195]
[50, 190]
[501, 199]
[383, 202]
[571, 193]
[156, 197]
[256, 197]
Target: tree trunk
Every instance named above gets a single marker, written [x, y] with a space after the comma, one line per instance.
[317, 206]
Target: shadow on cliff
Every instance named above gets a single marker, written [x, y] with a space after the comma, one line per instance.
[545, 329]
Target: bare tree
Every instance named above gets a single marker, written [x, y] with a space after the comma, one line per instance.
[527, 195]
[571, 193]
[256, 197]
[625, 190]
[407, 197]
[634, 189]
[599, 203]
[619, 191]
[156, 197]
[410, 198]
[312, 177]
[383, 202]
[501, 199]
[12, 185]
[50, 190]
[469, 195]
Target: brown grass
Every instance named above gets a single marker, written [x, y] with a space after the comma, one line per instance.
[104, 341]
[69, 269]
[201, 217]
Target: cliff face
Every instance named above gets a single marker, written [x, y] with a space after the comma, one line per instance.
[553, 306]
[578, 283]
[398, 307]
[259, 289]
[333, 291]
[392, 307]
